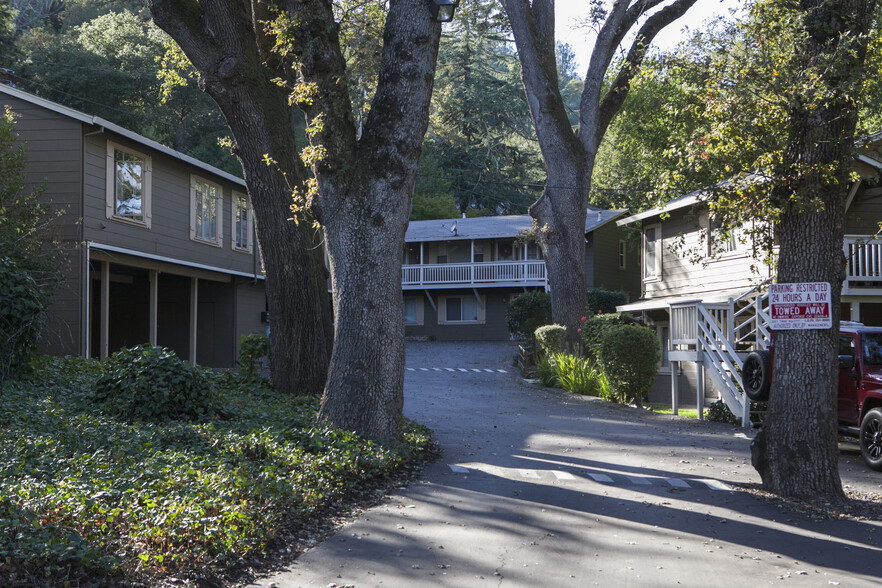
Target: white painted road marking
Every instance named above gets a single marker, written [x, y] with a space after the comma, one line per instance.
[677, 482]
[601, 478]
[640, 481]
[458, 469]
[716, 485]
[563, 475]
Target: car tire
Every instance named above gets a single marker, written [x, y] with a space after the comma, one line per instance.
[756, 375]
[871, 439]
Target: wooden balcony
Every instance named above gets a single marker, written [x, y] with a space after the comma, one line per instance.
[488, 274]
[863, 254]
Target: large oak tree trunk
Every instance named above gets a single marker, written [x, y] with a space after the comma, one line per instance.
[219, 38]
[796, 452]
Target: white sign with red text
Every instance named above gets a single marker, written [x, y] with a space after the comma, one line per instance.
[800, 306]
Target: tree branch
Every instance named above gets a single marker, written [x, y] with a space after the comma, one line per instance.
[614, 98]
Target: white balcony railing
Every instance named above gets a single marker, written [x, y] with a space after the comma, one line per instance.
[529, 273]
[864, 256]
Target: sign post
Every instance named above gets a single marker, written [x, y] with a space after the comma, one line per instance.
[803, 305]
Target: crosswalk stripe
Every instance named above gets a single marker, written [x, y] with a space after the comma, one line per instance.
[411, 369]
[457, 469]
[676, 482]
[502, 371]
[424, 369]
[450, 369]
[436, 369]
[640, 481]
[529, 473]
[563, 475]
[601, 478]
[462, 369]
[716, 485]
[476, 370]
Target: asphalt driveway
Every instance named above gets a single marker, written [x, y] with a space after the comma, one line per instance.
[540, 488]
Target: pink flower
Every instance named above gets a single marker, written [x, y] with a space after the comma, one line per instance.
[578, 330]
[584, 318]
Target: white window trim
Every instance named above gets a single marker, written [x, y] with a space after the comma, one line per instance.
[738, 251]
[249, 247]
[623, 254]
[420, 316]
[662, 344]
[219, 238]
[656, 276]
[442, 311]
[146, 188]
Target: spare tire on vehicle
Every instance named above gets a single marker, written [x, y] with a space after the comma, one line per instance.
[756, 375]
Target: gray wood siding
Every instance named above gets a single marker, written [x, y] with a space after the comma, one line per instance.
[606, 271]
[250, 302]
[865, 213]
[169, 234]
[493, 329]
[54, 159]
[681, 276]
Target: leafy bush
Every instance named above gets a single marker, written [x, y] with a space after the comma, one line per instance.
[629, 356]
[528, 312]
[595, 325]
[579, 375]
[22, 307]
[546, 371]
[720, 413]
[551, 338]
[89, 500]
[151, 383]
[605, 301]
[253, 349]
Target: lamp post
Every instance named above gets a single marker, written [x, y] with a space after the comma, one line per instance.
[442, 10]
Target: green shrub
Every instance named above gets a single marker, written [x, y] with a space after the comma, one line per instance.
[253, 349]
[629, 356]
[22, 308]
[546, 371]
[528, 312]
[579, 375]
[595, 325]
[551, 338]
[605, 301]
[720, 413]
[151, 383]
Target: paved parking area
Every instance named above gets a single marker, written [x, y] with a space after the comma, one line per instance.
[541, 488]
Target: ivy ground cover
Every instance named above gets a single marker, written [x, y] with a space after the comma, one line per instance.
[87, 499]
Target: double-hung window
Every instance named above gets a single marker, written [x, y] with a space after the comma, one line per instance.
[720, 240]
[206, 212]
[652, 253]
[128, 185]
[243, 227]
[413, 310]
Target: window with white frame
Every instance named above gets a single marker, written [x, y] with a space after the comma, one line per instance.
[663, 331]
[720, 240]
[461, 309]
[533, 251]
[243, 224]
[479, 252]
[441, 256]
[128, 185]
[206, 211]
[652, 253]
[413, 310]
[623, 255]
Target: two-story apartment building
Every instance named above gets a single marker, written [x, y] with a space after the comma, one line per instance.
[161, 247]
[704, 294]
[459, 274]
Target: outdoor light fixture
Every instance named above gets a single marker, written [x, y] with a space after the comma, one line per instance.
[442, 10]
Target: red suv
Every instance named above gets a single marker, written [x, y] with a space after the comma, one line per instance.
[860, 385]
